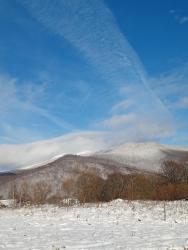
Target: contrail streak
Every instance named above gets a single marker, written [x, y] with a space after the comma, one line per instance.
[91, 28]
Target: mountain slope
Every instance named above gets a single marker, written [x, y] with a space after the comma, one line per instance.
[39, 153]
[65, 168]
[127, 158]
[146, 156]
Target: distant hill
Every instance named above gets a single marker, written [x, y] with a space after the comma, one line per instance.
[144, 156]
[127, 159]
[62, 169]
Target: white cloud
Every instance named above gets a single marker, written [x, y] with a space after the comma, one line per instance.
[24, 155]
[123, 105]
[12, 133]
[20, 101]
[28, 154]
[119, 121]
[172, 87]
[134, 128]
[101, 42]
[98, 38]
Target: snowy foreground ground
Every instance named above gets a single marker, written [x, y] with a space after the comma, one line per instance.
[115, 225]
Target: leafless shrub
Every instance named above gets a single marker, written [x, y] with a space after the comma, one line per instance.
[25, 192]
[40, 192]
[88, 186]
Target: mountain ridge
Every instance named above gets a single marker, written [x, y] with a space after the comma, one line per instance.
[144, 158]
[13, 157]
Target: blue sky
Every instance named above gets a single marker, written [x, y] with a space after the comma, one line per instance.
[115, 67]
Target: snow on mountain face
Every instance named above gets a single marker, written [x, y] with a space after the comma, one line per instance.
[139, 150]
[147, 156]
[34, 154]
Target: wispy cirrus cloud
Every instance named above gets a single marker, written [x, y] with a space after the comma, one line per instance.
[123, 106]
[21, 103]
[119, 121]
[106, 48]
[172, 87]
[25, 155]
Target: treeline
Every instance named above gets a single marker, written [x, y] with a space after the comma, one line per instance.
[171, 183]
[174, 184]
[30, 193]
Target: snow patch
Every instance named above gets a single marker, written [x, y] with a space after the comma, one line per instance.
[107, 226]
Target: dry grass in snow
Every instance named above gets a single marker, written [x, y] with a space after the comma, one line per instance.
[114, 225]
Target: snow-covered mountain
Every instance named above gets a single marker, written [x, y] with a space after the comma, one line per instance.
[56, 172]
[147, 156]
[53, 162]
[14, 157]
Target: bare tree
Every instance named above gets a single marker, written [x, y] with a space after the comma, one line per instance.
[40, 192]
[175, 172]
[89, 188]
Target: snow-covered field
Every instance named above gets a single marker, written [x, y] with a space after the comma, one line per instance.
[115, 225]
